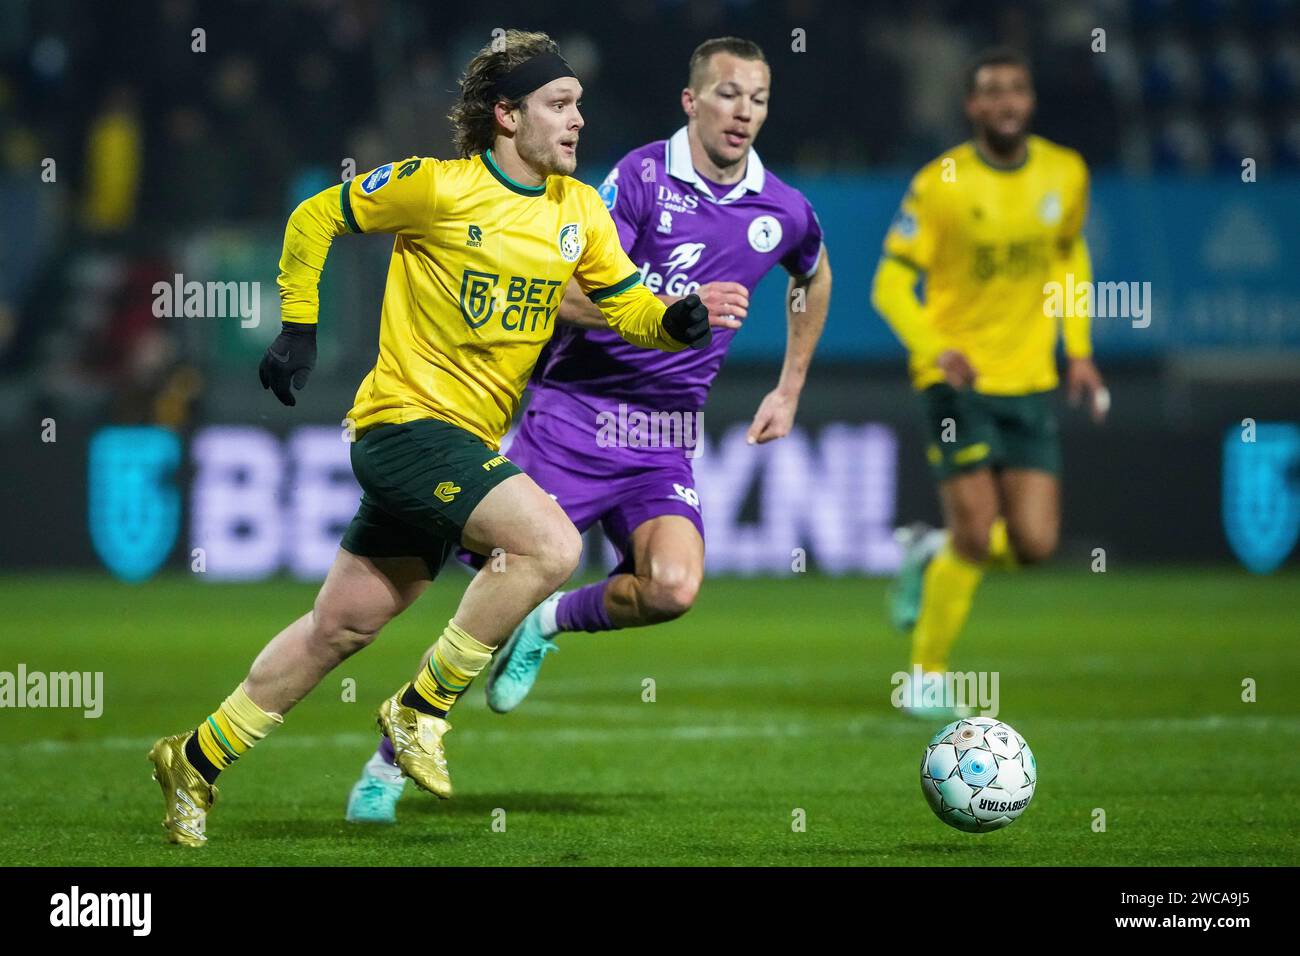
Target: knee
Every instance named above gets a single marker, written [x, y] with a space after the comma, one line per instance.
[971, 540]
[560, 553]
[669, 593]
[343, 634]
[1033, 545]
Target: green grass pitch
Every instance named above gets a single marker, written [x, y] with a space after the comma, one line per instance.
[770, 696]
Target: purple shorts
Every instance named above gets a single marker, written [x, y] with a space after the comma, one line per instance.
[556, 445]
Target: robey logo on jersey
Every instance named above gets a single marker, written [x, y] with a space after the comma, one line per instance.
[674, 280]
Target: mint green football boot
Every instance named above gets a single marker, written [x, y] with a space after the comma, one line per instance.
[515, 666]
[374, 799]
[915, 698]
[920, 543]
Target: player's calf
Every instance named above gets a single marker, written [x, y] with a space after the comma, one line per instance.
[556, 557]
[336, 632]
[1033, 545]
[666, 594]
[970, 540]
[668, 566]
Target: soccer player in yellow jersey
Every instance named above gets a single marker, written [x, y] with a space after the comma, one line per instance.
[485, 246]
[985, 229]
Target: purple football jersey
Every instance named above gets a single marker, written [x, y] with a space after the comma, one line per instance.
[681, 234]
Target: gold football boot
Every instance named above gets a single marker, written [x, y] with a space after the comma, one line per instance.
[187, 797]
[417, 743]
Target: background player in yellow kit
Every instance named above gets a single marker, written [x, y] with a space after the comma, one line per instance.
[985, 228]
[484, 248]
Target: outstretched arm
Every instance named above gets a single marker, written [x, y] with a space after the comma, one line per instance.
[727, 302]
[577, 309]
[808, 300]
[640, 318]
[607, 277]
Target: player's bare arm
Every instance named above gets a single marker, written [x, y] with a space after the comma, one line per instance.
[957, 369]
[807, 301]
[1084, 381]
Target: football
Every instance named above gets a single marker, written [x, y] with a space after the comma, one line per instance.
[978, 774]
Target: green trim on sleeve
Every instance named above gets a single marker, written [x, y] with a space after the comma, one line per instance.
[345, 203]
[613, 290]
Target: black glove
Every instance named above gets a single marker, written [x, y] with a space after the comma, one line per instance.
[290, 358]
[687, 320]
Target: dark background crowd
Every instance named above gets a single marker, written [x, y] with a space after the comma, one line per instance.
[128, 127]
[285, 89]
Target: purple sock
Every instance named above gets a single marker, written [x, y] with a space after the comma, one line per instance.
[386, 751]
[584, 610]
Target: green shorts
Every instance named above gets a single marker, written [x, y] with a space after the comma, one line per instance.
[966, 430]
[421, 481]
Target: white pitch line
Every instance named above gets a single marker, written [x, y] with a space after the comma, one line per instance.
[628, 680]
[698, 678]
[889, 725]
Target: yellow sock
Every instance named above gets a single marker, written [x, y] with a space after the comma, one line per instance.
[456, 660]
[1001, 554]
[949, 586]
[229, 733]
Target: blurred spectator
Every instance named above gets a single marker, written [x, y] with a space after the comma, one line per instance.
[113, 162]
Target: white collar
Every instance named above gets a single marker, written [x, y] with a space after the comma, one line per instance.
[677, 160]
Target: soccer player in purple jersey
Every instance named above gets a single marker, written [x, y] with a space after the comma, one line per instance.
[610, 431]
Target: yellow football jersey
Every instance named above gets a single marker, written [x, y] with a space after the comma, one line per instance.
[479, 267]
[988, 240]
